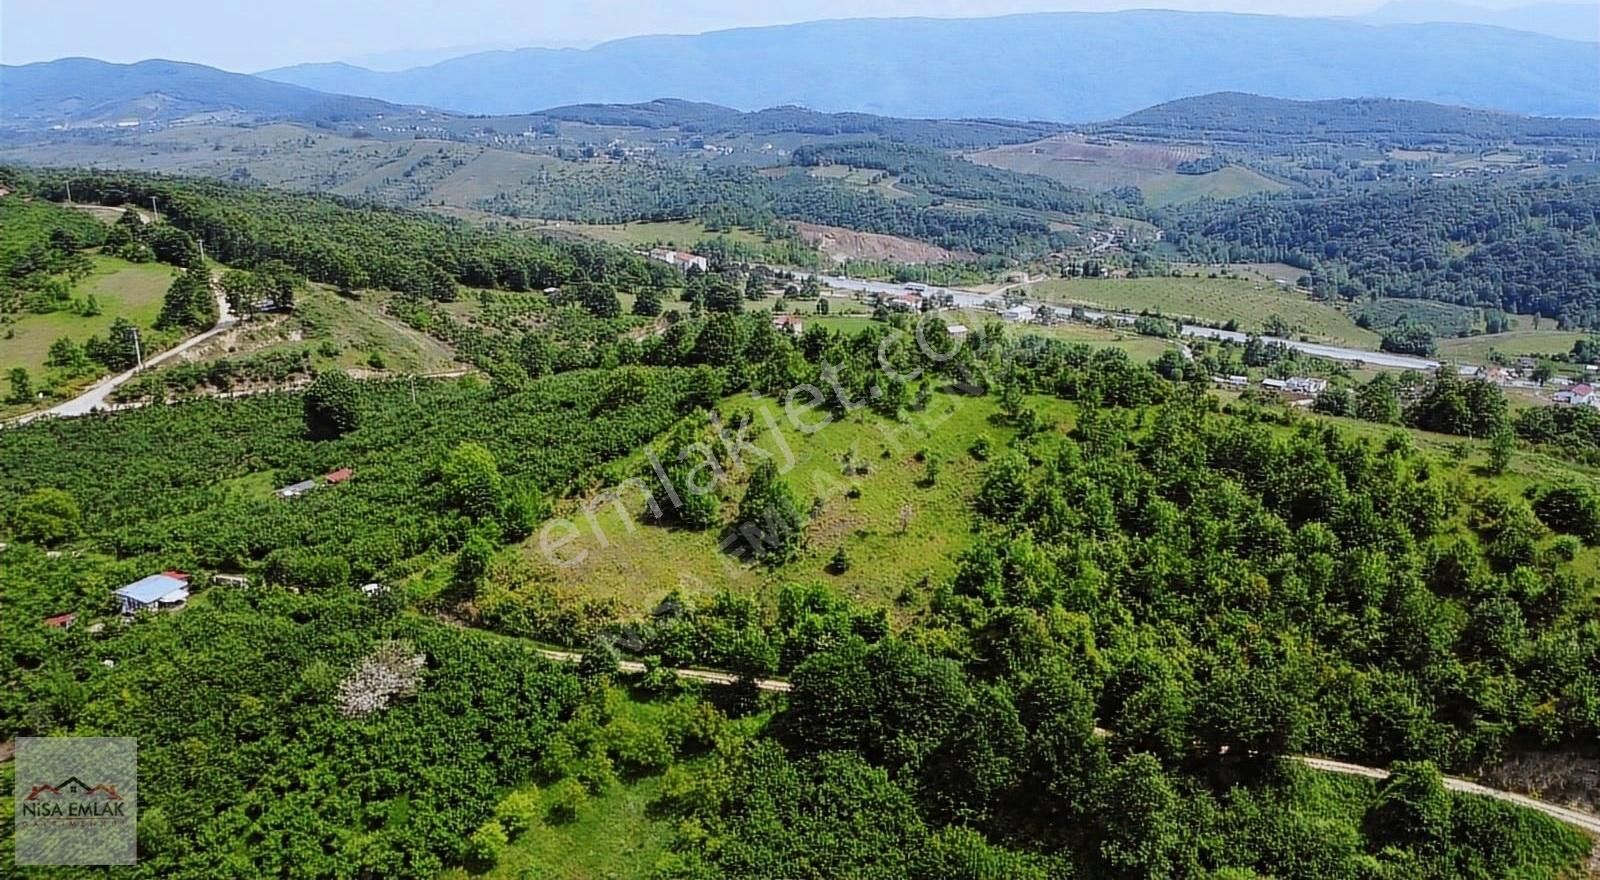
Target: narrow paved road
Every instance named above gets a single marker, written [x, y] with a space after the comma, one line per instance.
[95, 396]
[974, 299]
[1587, 822]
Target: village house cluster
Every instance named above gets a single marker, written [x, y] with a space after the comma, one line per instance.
[682, 259]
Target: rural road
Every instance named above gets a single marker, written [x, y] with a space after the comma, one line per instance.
[1587, 822]
[95, 396]
[710, 676]
[974, 299]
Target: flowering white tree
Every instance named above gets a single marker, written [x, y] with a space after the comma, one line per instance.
[390, 671]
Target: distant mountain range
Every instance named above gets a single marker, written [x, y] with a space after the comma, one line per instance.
[1569, 21]
[1067, 67]
[84, 91]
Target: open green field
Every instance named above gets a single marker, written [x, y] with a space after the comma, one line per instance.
[1229, 182]
[678, 233]
[1100, 164]
[1209, 300]
[869, 179]
[127, 290]
[614, 835]
[340, 333]
[1477, 349]
[617, 557]
[1140, 348]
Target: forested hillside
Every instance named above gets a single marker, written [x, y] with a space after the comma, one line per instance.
[1528, 248]
[704, 118]
[1259, 120]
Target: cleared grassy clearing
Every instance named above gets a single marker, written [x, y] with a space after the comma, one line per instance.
[615, 556]
[1140, 348]
[126, 290]
[616, 833]
[679, 233]
[1229, 182]
[340, 333]
[1517, 342]
[870, 179]
[1100, 164]
[1209, 300]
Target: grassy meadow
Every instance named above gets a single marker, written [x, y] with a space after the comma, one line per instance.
[1209, 300]
[340, 332]
[616, 556]
[1537, 343]
[672, 233]
[127, 290]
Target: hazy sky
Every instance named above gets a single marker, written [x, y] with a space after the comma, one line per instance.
[258, 34]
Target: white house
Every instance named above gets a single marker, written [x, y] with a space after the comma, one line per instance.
[957, 330]
[682, 259]
[1021, 313]
[166, 590]
[1306, 385]
[790, 324]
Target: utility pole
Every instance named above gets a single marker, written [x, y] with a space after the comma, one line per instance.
[153, 208]
[138, 354]
[69, 192]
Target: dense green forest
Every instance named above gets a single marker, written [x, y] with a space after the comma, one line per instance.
[703, 118]
[354, 245]
[1526, 248]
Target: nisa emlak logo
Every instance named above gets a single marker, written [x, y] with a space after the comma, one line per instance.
[72, 798]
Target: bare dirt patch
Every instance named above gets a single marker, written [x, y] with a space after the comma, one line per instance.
[848, 244]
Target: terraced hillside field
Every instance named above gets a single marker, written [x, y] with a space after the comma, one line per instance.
[1100, 164]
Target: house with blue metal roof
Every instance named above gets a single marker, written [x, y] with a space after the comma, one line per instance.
[156, 591]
